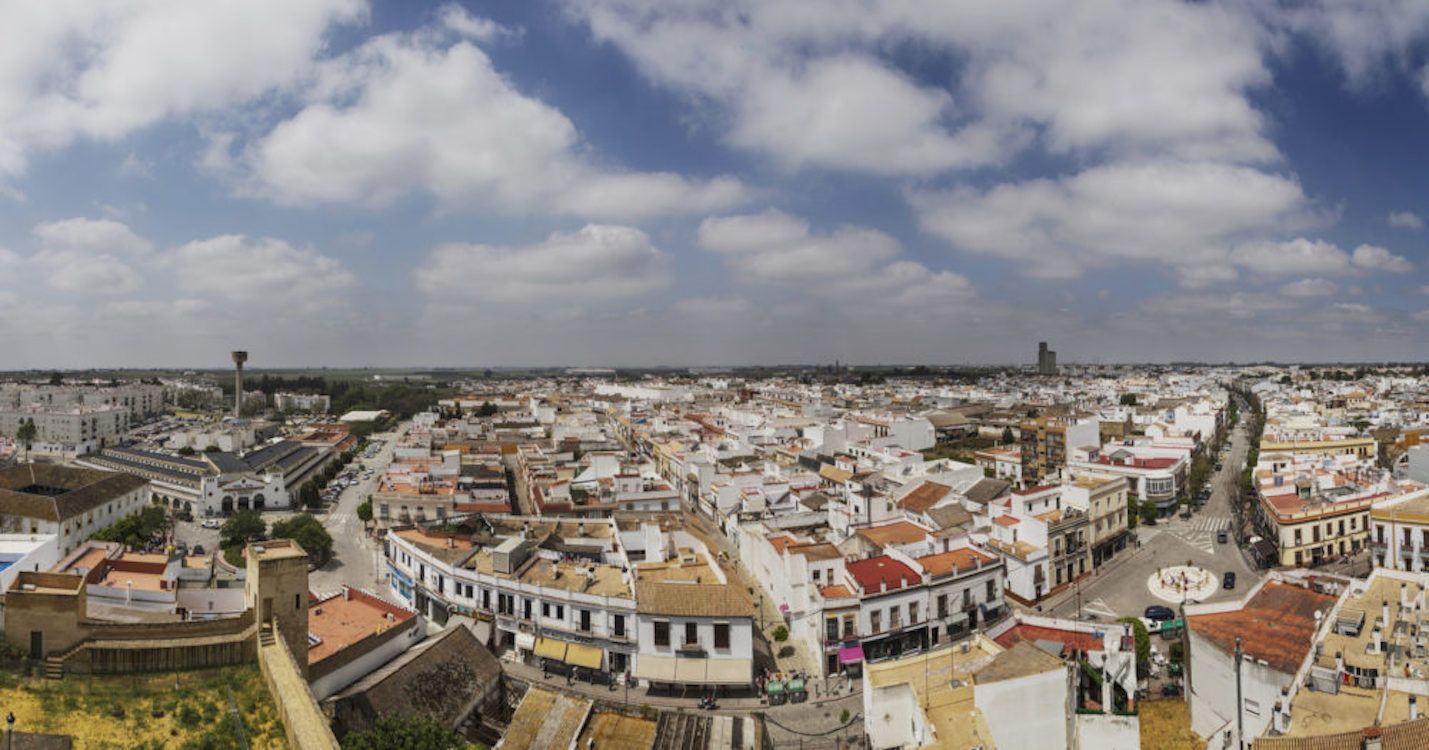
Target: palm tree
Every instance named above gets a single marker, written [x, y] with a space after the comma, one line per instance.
[25, 433]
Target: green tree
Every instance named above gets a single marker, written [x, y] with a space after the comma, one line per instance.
[1007, 437]
[309, 533]
[364, 511]
[135, 529]
[186, 451]
[211, 448]
[57, 378]
[1128, 399]
[781, 634]
[487, 409]
[404, 733]
[25, 434]
[243, 527]
[1149, 513]
[309, 495]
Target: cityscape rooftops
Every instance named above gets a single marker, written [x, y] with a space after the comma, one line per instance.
[1276, 623]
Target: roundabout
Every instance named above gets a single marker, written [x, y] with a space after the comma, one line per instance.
[1178, 583]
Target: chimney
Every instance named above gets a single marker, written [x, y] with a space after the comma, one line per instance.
[347, 593]
[1404, 596]
[1373, 738]
[882, 586]
[1384, 613]
[1339, 664]
[903, 581]
[238, 359]
[1413, 707]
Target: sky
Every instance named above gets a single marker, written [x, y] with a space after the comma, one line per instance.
[711, 182]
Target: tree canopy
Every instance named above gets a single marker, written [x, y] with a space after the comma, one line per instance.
[308, 532]
[135, 529]
[402, 733]
[242, 527]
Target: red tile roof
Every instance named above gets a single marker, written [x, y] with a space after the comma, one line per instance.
[924, 497]
[1276, 625]
[882, 569]
[952, 561]
[1070, 640]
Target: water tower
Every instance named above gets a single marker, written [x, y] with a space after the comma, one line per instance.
[238, 359]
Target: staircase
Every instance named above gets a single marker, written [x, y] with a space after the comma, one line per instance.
[266, 635]
[54, 668]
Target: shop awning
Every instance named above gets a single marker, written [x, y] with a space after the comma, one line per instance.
[580, 655]
[957, 618]
[548, 648]
[774, 687]
[525, 641]
[729, 671]
[851, 654]
[678, 671]
[655, 668]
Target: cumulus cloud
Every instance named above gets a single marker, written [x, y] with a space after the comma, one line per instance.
[91, 235]
[857, 263]
[1309, 288]
[1171, 214]
[1130, 76]
[598, 263]
[418, 113]
[1375, 258]
[102, 71]
[1405, 220]
[240, 269]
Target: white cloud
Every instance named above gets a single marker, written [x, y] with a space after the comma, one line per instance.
[852, 112]
[1299, 255]
[87, 273]
[1364, 36]
[406, 114]
[457, 19]
[856, 263]
[1127, 76]
[1405, 220]
[1174, 214]
[1375, 258]
[1309, 288]
[73, 70]
[91, 235]
[598, 263]
[1422, 316]
[714, 307]
[245, 270]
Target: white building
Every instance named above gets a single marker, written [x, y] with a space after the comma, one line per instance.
[69, 503]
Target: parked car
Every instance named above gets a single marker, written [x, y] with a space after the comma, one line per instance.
[198, 549]
[1228, 581]
[1158, 613]
[211, 523]
[1222, 536]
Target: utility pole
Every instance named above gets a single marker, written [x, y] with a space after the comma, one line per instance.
[1239, 702]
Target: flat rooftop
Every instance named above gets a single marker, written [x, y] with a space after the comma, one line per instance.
[696, 570]
[1400, 632]
[612, 731]
[585, 578]
[342, 620]
[942, 684]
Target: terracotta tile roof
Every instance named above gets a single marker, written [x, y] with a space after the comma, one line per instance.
[1409, 735]
[1070, 640]
[882, 569]
[954, 561]
[1005, 520]
[692, 599]
[924, 497]
[1276, 625]
[835, 592]
[899, 532]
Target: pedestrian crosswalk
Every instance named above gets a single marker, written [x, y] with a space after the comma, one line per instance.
[1098, 608]
[1200, 531]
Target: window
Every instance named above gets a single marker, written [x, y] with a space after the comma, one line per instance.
[942, 606]
[721, 635]
[991, 590]
[662, 634]
[967, 598]
[297, 601]
[545, 609]
[912, 612]
[875, 622]
[894, 621]
[831, 629]
[1252, 707]
[692, 634]
[619, 628]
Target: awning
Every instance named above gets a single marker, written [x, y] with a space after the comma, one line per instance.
[548, 648]
[655, 668]
[525, 641]
[774, 687]
[580, 655]
[959, 617]
[851, 654]
[670, 669]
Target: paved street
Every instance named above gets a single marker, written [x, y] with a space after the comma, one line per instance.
[1120, 588]
[354, 561]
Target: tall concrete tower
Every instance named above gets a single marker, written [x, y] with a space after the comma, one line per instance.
[238, 359]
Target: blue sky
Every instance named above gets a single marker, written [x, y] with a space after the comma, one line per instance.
[606, 182]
